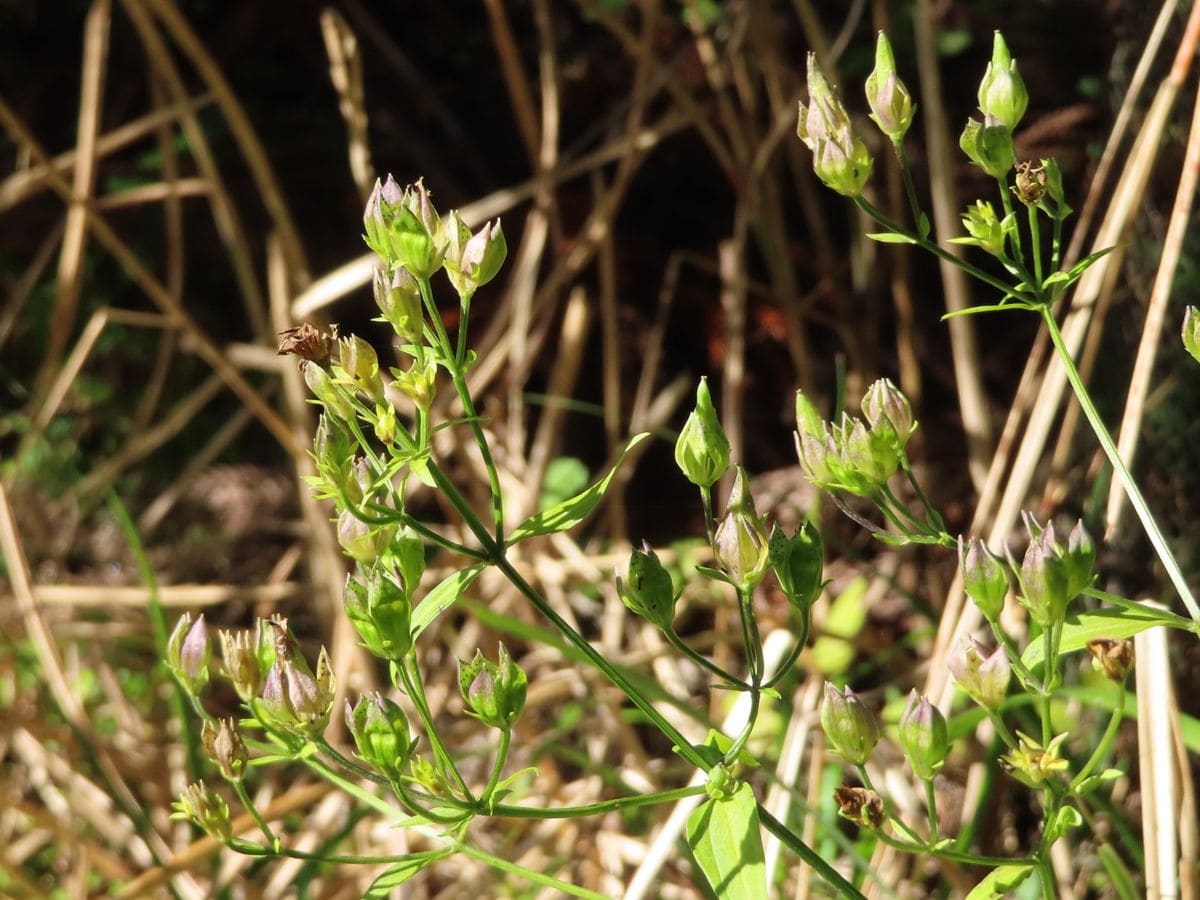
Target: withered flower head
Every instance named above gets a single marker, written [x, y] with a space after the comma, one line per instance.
[859, 805]
[308, 342]
[1113, 657]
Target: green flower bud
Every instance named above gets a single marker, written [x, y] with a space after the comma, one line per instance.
[1044, 583]
[333, 450]
[923, 736]
[472, 260]
[1002, 93]
[702, 451]
[1191, 332]
[849, 726]
[825, 118]
[358, 367]
[843, 164]
[874, 455]
[984, 229]
[362, 542]
[1079, 559]
[815, 453]
[202, 805]
[224, 744]
[1054, 201]
[884, 402]
[891, 105]
[407, 551]
[982, 675]
[293, 698]
[647, 590]
[389, 607]
[240, 660]
[188, 653]
[382, 206]
[418, 382]
[494, 692]
[989, 145]
[740, 545]
[326, 391]
[398, 297]
[798, 563]
[380, 731]
[984, 577]
[404, 228]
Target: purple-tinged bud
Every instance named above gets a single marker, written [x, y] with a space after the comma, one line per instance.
[985, 578]
[1032, 764]
[702, 450]
[983, 676]
[646, 590]
[814, 452]
[989, 145]
[891, 104]
[849, 726]
[860, 805]
[825, 118]
[293, 698]
[188, 653]
[493, 691]
[239, 653]
[1112, 657]
[884, 402]
[1002, 92]
[923, 736]
[224, 744]
[1043, 580]
[362, 542]
[380, 731]
[204, 806]
[1191, 332]
[843, 164]
[798, 563]
[740, 545]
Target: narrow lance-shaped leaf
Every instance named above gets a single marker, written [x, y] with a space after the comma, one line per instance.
[570, 513]
[442, 597]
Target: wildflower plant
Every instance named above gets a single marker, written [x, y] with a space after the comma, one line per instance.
[1054, 577]
[375, 438]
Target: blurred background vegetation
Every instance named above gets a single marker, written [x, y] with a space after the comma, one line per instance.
[181, 181]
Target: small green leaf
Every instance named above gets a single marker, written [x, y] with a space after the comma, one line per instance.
[890, 237]
[570, 512]
[1080, 628]
[445, 595]
[1000, 882]
[405, 869]
[724, 835]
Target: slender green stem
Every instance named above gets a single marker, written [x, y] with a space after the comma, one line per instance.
[253, 810]
[459, 502]
[910, 190]
[935, 518]
[1002, 729]
[750, 635]
[460, 350]
[592, 809]
[894, 819]
[1035, 241]
[797, 649]
[1014, 656]
[1102, 748]
[937, 251]
[377, 803]
[1046, 877]
[968, 859]
[807, 854]
[931, 805]
[703, 661]
[347, 763]
[1048, 666]
[706, 500]
[1136, 500]
[464, 396]
[1056, 244]
[1006, 201]
[248, 849]
[581, 644]
[732, 754]
[497, 767]
[410, 675]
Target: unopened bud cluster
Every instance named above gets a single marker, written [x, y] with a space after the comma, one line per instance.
[494, 692]
[840, 158]
[854, 455]
[1052, 574]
